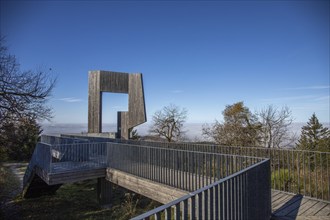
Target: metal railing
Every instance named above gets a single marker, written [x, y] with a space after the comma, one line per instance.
[57, 140]
[245, 194]
[77, 156]
[66, 157]
[222, 186]
[41, 157]
[186, 170]
[296, 171]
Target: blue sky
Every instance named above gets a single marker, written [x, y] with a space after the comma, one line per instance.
[198, 55]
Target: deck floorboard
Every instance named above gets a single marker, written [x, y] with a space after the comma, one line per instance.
[288, 206]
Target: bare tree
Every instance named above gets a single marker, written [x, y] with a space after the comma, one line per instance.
[22, 94]
[23, 97]
[275, 126]
[168, 122]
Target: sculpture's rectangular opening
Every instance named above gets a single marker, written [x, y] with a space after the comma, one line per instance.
[111, 104]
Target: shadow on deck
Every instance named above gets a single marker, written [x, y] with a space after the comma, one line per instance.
[288, 206]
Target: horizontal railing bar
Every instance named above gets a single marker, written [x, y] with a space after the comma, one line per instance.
[191, 194]
[150, 147]
[188, 143]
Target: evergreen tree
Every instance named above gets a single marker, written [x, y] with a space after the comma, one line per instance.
[314, 136]
[18, 139]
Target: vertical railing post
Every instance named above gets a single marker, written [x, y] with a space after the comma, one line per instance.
[193, 207]
[315, 171]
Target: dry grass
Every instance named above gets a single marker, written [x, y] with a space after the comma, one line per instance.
[8, 188]
[78, 201]
[73, 201]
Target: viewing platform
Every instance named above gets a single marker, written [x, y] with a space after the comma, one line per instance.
[191, 183]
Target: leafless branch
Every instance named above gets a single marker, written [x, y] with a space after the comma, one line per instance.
[22, 94]
[168, 122]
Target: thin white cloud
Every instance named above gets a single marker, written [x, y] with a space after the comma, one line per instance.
[309, 87]
[323, 98]
[288, 98]
[176, 91]
[70, 99]
[311, 107]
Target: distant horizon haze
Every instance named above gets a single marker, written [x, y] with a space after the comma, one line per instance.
[194, 130]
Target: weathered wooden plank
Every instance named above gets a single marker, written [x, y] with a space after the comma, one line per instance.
[308, 218]
[136, 105]
[278, 195]
[281, 201]
[116, 82]
[175, 175]
[277, 198]
[77, 174]
[94, 103]
[325, 211]
[314, 209]
[307, 205]
[156, 191]
[298, 208]
[275, 193]
[69, 177]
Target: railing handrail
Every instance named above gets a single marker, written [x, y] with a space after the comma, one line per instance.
[204, 144]
[78, 144]
[151, 147]
[198, 191]
[221, 145]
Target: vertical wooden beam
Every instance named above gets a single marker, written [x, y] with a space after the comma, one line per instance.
[94, 103]
[122, 125]
[104, 191]
[136, 104]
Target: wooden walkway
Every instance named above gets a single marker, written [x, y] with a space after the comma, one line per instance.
[288, 206]
[285, 206]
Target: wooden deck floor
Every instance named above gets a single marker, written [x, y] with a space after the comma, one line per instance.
[287, 206]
